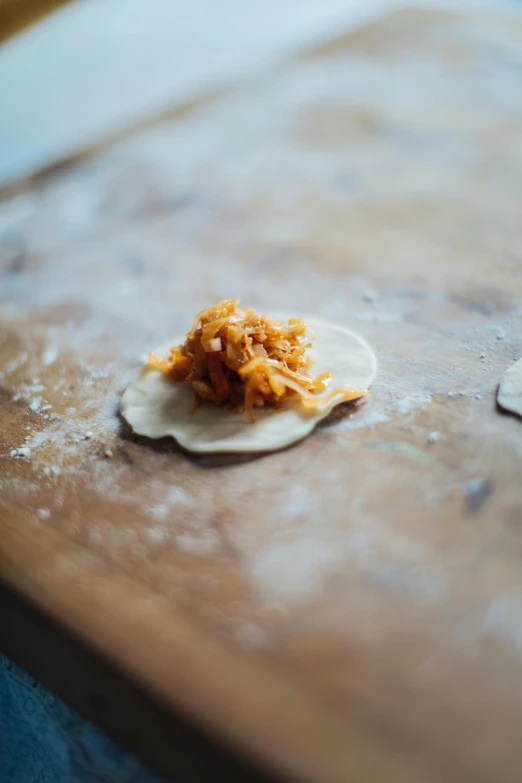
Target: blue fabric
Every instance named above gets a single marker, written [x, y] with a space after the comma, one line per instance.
[42, 740]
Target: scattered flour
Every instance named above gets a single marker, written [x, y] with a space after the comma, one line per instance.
[364, 418]
[180, 497]
[504, 617]
[95, 535]
[14, 364]
[250, 635]
[23, 451]
[300, 501]
[159, 511]
[411, 403]
[157, 534]
[368, 416]
[207, 543]
[50, 355]
[431, 588]
[295, 570]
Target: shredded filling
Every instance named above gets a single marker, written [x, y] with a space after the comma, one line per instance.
[236, 357]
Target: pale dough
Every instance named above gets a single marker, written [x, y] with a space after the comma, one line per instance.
[509, 395]
[156, 406]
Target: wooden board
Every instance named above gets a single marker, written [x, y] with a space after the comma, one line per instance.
[350, 608]
[15, 15]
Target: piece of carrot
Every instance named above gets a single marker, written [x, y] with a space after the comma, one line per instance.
[219, 383]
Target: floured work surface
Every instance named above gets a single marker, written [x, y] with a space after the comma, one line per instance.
[348, 609]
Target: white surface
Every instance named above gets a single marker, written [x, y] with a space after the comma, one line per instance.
[98, 66]
[156, 406]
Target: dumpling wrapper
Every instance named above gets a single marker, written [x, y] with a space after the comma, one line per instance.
[156, 406]
[509, 395]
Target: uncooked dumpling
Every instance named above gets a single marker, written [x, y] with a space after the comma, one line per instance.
[509, 394]
[156, 406]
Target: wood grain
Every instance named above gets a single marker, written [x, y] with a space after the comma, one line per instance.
[348, 609]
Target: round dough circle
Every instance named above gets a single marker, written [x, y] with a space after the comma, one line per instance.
[156, 406]
[509, 395]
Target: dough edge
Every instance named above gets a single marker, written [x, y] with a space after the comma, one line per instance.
[156, 407]
[509, 395]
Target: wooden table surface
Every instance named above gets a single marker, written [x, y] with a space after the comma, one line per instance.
[349, 609]
[16, 15]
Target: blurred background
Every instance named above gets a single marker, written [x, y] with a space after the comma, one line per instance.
[93, 68]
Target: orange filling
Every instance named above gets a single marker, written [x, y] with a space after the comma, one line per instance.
[247, 360]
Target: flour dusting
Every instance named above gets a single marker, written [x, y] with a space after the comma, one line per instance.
[413, 402]
[295, 570]
[503, 617]
[50, 355]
